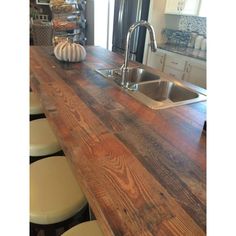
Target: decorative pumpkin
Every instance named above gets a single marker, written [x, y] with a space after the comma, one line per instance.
[69, 51]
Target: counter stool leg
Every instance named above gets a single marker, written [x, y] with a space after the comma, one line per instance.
[37, 116]
[91, 215]
[33, 230]
[50, 231]
[33, 159]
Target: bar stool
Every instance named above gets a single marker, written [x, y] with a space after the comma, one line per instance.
[89, 228]
[36, 110]
[55, 196]
[43, 141]
[42, 32]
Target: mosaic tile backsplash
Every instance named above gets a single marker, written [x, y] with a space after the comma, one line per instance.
[193, 24]
[177, 37]
[185, 34]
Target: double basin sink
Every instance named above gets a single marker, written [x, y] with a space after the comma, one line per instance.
[154, 90]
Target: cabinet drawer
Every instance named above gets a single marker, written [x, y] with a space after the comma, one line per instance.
[196, 74]
[173, 72]
[175, 63]
[156, 60]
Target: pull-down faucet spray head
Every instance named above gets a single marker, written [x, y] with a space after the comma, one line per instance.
[153, 45]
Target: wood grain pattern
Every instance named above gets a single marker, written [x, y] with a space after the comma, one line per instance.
[143, 171]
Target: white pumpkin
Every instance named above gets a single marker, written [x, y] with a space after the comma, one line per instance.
[69, 51]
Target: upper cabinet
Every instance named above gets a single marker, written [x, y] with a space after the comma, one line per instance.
[203, 9]
[182, 7]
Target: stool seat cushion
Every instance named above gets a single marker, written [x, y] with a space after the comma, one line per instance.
[89, 228]
[55, 194]
[42, 139]
[35, 104]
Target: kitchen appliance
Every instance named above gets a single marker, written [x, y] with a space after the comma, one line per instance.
[126, 13]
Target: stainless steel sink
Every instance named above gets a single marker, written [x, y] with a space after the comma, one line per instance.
[134, 75]
[163, 90]
[154, 90]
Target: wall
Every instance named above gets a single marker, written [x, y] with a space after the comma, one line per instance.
[157, 20]
[99, 15]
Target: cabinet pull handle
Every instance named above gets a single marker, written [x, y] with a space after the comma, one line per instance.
[188, 68]
[173, 62]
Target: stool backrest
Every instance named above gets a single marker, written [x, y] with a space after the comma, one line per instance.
[41, 17]
[42, 33]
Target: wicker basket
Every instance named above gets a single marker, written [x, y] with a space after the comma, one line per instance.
[42, 33]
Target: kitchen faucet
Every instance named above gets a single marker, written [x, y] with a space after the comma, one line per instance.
[153, 44]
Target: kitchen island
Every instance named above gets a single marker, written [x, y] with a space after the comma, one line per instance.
[143, 171]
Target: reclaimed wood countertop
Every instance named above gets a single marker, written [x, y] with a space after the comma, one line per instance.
[143, 171]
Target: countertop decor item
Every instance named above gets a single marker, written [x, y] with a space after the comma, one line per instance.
[198, 42]
[203, 45]
[68, 20]
[69, 51]
[192, 40]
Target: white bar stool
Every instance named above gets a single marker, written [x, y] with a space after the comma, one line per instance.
[89, 228]
[55, 195]
[36, 109]
[43, 141]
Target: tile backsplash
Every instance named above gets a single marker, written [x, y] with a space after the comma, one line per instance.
[183, 30]
[193, 24]
[177, 37]
[186, 23]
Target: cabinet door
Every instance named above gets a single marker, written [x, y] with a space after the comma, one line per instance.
[156, 60]
[196, 74]
[203, 9]
[172, 7]
[182, 7]
[191, 7]
[176, 62]
[175, 66]
[178, 74]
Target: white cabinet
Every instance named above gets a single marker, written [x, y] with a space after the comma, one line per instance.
[173, 6]
[203, 9]
[182, 7]
[195, 73]
[156, 60]
[180, 67]
[175, 66]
